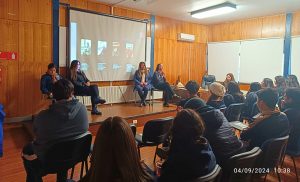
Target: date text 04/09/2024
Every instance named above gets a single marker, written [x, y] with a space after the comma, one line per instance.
[260, 170]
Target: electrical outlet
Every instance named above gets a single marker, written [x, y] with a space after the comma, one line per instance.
[134, 121]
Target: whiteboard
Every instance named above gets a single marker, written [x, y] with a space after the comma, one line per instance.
[261, 59]
[223, 58]
[148, 52]
[62, 46]
[295, 56]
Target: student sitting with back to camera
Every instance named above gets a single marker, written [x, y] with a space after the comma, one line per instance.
[192, 87]
[48, 80]
[64, 118]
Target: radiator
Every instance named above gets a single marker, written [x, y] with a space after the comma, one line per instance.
[118, 94]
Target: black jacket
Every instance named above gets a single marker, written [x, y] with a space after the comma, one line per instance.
[274, 126]
[219, 133]
[293, 114]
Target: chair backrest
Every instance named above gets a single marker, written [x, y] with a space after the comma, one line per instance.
[273, 150]
[233, 111]
[65, 153]
[246, 160]
[213, 176]
[133, 129]
[156, 130]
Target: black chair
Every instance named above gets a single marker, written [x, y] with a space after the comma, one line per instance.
[207, 80]
[246, 160]
[293, 153]
[154, 133]
[273, 150]
[65, 154]
[133, 129]
[233, 112]
[213, 176]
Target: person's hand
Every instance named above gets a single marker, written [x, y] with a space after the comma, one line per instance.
[145, 83]
[179, 108]
[88, 84]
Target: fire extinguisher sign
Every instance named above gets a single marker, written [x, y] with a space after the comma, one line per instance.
[8, 55]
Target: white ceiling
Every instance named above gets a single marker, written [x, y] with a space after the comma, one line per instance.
[179, 9]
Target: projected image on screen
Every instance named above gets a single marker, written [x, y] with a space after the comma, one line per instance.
[115, 51]
[102, 45]
[110, 48]
[129, 50]
[85, 48]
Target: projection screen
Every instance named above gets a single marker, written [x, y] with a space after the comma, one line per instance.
[109, 48]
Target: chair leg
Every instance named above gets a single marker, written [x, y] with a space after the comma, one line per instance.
[86, 166]
[139, 150]
[281, 165]
[155, 154]
[278, 175]
[72, 172]
[62, 176]
[81, 170]
[295, 168]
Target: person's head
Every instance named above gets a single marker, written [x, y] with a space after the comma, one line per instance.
[254, 87]
[280, 82]
[233, 88]
[187, 129]
[229, 77]
[194, 103]
[267, 99]
[217, 91]
[292, 81]
[115, 155]
[142, 66]
[75, 65]
[192, 87]
[292, 97]
[159, 67]
[267, 83]
[63, 89]
[51, 69]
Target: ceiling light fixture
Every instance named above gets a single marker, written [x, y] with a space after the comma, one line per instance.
[215, 10]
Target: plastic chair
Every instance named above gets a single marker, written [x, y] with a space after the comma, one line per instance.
[152, 91]
[246, 160]
[207, 80]
[65, 154]
[154, 133]
[213, 176]
[233, 112]
[294, 152]
[273, 150]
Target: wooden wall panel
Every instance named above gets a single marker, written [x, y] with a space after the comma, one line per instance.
[98, 7]
[45, 11]
[273, 26]
[296, 23]
[9, 9]
[251, 29]
[63, 16]
[28, 10]
[82, 4]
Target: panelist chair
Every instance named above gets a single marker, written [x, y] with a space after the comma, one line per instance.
[64, 154]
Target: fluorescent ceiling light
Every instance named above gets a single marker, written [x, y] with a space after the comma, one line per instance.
[215, 10]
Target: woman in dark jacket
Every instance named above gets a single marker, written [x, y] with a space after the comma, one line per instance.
[218, 131]
[251, 99]
[142, 81]
[234, 94]
[190, 155]
[82, 86]
[159, 82]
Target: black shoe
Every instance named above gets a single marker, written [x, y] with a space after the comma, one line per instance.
[141, 104]
[96, 112]
[166, 104]
[144, 103]
[100, 101]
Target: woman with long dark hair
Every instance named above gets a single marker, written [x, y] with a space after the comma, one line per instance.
[292, 81]
[280, 85]
[267, 83]
[229, 78]
[82, 86]
[233, 94]
[190, 154]
[115, 157]
[159, 82]
[142, 81]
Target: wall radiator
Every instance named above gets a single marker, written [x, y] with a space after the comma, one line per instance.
[118, 94]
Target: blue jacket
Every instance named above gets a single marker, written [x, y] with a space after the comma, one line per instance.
[157, 79]
[293, 114]
[137, 80]
[46, 83]
[2, 115]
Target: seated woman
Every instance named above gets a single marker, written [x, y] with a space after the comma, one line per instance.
[280, 85]
[115, 157]
[292, 81]
[142, 81]
[190, 155]
[251, 99]
[233, 94]
[82, 86]
[48, 80]
[267, 83]
[229, 78]
[192, 88]
[217, 92]
[160, 83]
